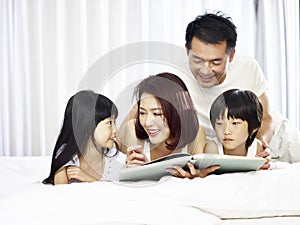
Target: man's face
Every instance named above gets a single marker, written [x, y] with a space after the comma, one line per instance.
[208, 62]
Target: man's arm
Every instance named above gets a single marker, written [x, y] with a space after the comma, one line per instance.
[266, 130]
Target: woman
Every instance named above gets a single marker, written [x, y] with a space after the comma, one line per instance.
[165, 123]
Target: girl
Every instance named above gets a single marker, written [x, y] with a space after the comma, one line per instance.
[165, 123]
[236, 116]
[84, 150]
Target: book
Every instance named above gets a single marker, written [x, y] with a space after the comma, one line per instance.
[156, 169]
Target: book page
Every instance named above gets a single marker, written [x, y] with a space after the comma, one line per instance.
[227, 163]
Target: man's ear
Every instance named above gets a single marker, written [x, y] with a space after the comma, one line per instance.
[231, 55]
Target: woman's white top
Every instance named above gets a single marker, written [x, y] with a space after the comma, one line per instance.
[147, 149]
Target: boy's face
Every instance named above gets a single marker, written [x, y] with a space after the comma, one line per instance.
[233, 134]
[208, 62]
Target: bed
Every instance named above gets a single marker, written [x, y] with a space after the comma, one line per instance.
[261, 197]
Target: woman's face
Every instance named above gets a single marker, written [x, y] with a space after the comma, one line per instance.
[105, 133]
[152, 119]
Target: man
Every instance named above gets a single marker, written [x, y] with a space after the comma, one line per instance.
[215, 67]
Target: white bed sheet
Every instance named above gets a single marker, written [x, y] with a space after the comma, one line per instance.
[262, 197]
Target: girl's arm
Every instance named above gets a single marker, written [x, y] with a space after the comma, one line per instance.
[197, 146]
[75, 172]
[65, 174]
[61, 176]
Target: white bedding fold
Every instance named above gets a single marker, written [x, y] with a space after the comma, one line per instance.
[24, 200]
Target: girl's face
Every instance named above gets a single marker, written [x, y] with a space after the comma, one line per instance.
[105, 133]
[232, 133]
[152, 119]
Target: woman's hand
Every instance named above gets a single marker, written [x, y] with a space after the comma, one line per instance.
[135, 156]
[74, 172]
[178, 171]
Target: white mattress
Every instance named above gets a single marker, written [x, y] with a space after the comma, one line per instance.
[262, 197]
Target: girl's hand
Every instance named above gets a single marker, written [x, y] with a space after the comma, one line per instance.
[135, 156]
[177, 171]
[74, 172]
